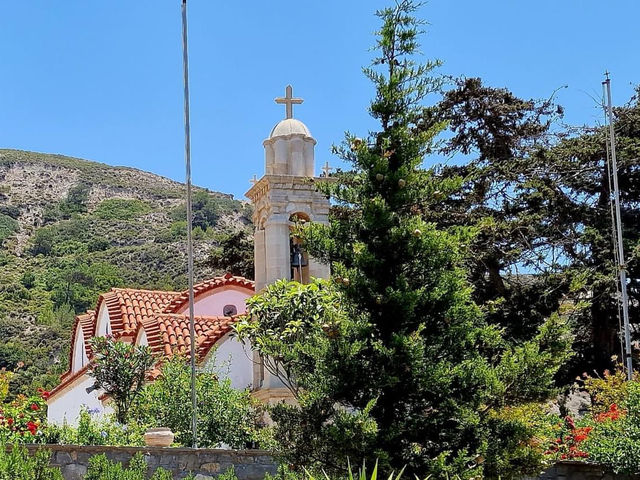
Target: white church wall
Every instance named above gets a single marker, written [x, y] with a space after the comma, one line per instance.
[66, 405]
[103, 322]
[232, 359]
[213, 304]
[79, 352]
[142, 339]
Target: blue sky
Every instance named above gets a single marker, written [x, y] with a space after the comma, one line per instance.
[102, 80]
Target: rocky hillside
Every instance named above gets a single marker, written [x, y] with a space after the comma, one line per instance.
[70, 229]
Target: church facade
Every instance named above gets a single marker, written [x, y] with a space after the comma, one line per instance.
[286, 194]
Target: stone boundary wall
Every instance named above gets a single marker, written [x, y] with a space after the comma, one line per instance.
[208, 463]
[573, 470]
[205, 463]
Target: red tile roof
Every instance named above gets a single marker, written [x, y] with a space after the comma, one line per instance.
[168, 333]
[127, 307]
[180, 301]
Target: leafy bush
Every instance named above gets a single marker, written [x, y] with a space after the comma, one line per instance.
[225, 415]
[17, 464]
[96, 430]
[101, 468]
[7, 226]
[76, 200]
[121, 209]
[614, 441]
[120, 368]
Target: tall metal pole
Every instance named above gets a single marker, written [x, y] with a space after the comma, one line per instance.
[621, 262]
[187, 155]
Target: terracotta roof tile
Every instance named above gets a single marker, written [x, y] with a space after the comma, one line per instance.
[168, 333]
[127, 307]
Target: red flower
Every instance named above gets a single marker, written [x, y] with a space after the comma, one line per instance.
[32, 427]
[34, 407]
[10, 421]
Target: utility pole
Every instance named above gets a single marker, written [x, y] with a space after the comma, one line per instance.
[187, 155]
[624, 298]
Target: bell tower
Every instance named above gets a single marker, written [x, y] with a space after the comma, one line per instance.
[285, 195]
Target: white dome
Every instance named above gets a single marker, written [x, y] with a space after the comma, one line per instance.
[290, 126]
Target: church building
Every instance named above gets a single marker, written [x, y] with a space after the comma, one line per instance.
[283, 196]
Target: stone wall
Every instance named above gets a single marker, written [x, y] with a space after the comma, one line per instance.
[205, 463]
[572, 470]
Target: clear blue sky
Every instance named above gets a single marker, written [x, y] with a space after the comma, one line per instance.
[101, 79]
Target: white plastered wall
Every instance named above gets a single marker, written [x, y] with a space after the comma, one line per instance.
[66, 405]
[103, 322]
[212, 303]
[80, 358]
[229, 358]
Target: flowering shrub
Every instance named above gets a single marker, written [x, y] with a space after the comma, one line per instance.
[567, 446]
[23, 419]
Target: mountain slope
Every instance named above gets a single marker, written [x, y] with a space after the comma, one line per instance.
[71, 229]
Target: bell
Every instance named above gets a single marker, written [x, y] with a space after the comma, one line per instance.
[297, 258]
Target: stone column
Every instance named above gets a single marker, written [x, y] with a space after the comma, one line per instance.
[276, 241]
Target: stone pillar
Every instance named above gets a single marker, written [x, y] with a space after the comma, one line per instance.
[276, 241]
[281, 149]
[309, 161]
[297, 160]
[259, 259]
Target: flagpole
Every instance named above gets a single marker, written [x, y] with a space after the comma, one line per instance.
[622, 268]
[187, 155]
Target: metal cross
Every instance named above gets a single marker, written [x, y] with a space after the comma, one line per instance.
[254, 180]
[326, 169]
[289, 101]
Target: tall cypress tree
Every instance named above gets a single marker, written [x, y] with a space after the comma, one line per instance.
[391, 359]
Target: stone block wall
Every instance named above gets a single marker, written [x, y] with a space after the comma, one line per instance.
[572, 470]
[205, 463]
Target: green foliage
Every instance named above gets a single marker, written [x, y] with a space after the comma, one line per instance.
[101, 468]
[392, 359]
[119, 368]
[21, 419]
[234, 254]
[8, 226]
[78, 284]
[28, 279]
[94, 429]
[121, 209]
[76, 200]
[17, 464]
[548, 197]
[225, 415]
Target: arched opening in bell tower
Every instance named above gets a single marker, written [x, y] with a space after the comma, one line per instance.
[299, 257]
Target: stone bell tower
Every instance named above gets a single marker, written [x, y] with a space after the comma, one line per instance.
[286, 194]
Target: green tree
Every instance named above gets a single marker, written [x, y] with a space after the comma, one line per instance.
[392, 359]
[76, 200]
[541, 204]
[225, 415]
[120, 368]
[234, 255]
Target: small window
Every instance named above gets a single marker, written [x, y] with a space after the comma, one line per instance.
[229, 310]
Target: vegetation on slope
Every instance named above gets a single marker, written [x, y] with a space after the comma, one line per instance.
[71, 229]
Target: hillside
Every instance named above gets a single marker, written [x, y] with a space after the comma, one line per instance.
[70, 229]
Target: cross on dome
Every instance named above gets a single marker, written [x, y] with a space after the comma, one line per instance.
[289, 101]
